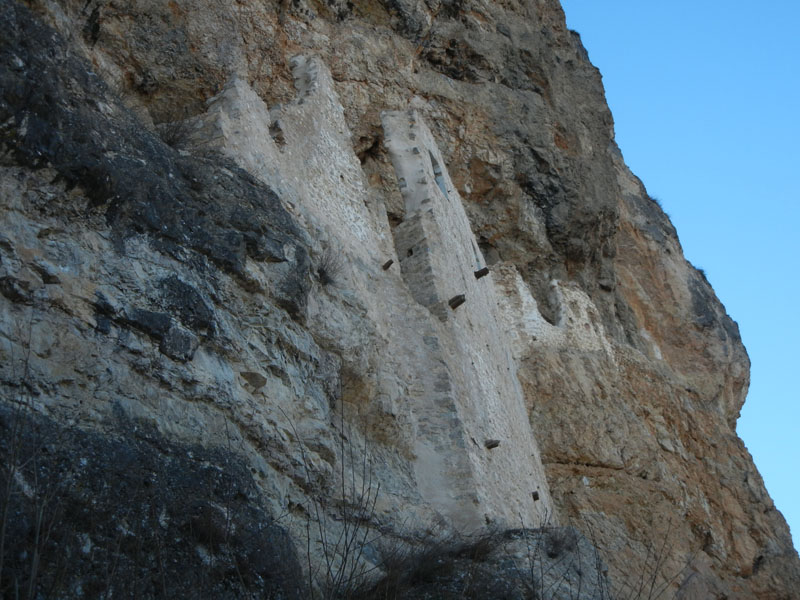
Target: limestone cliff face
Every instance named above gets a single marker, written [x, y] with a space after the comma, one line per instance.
[393, 253]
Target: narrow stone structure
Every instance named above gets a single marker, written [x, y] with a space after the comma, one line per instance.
[439, 256]
[461, 387]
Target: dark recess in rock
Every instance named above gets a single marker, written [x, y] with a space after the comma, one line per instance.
[102, 324]
[154, 324]
[457, 301]
[184, 300]
[702, 306]
[15, 289]
[179, 343]
[657, 225]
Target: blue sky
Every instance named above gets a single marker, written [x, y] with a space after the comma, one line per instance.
[706, 102]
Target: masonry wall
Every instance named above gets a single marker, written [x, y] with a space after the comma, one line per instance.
[456, 409]
[152, 283]
[444, 269]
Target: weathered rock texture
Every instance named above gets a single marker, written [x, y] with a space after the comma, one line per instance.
[259, 233]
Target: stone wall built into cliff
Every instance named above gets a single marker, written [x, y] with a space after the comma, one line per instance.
[371, 267]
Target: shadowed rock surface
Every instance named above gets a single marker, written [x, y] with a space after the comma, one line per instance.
[129, 514]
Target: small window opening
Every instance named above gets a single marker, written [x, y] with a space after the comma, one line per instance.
[438, 176]
[276, 133]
